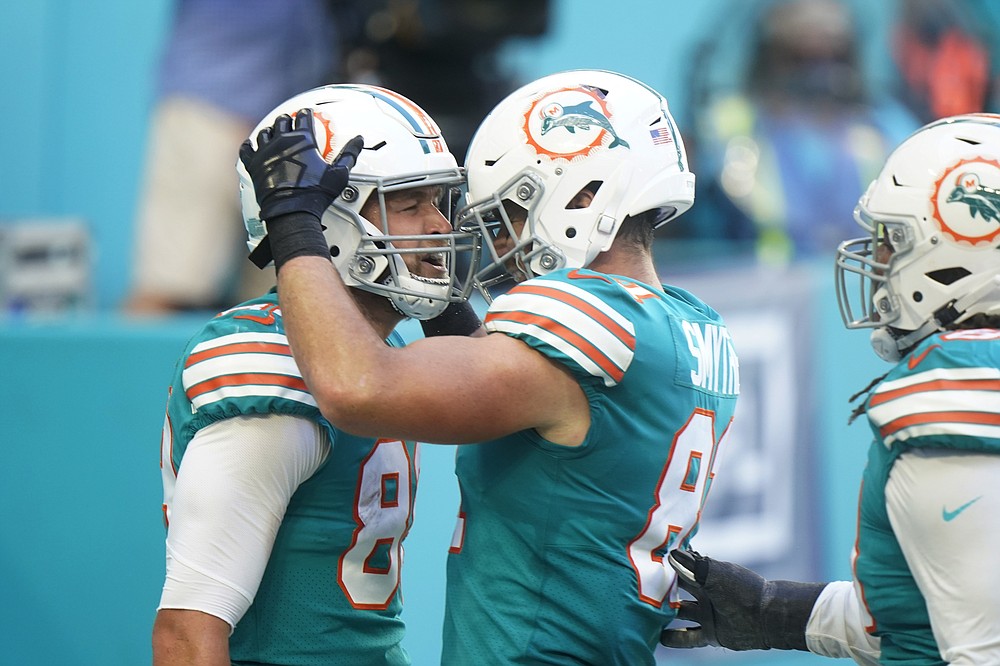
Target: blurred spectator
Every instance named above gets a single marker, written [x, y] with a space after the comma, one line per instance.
[940, 48]
[783, 153]
[444, 54]
[226, 63]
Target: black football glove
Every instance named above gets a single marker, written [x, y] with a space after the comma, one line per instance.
[294, 185]
[737, 608]
[456, 319]
[288, 172]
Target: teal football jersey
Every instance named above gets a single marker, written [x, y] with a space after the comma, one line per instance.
[558, 555]
[330, 592]
[940, 396]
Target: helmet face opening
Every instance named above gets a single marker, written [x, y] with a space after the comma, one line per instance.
[504, 222]
[867, 262]
[404, 152]
[932, 255]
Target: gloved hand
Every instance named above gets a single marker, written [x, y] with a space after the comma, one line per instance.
[294, 186]
[288, 172]
[456, 319]
[737, 608]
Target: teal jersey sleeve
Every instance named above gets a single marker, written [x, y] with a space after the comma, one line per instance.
[580, 327]
[238, 364]
[942, 394]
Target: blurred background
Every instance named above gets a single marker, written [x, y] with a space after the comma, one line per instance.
[111, 254]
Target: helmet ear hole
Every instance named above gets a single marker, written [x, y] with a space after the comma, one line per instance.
[949, 275]
[571, 232]
[334, 250]
[585, 196]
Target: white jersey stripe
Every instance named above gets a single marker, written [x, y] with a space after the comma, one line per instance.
[983, 431]
[935, 401]
[218, 365]
[575, 322]
[237, 338]
[598, 335]
[231, 364]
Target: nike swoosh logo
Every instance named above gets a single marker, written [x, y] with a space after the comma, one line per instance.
[915, 360]
[951, 515]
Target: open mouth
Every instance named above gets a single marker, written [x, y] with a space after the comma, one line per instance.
[434, 269]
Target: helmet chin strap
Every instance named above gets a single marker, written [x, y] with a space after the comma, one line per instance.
[892, 348]
[425, 300]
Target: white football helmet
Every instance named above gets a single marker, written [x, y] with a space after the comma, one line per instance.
[932, 256]
[552, 138]
[403, 149]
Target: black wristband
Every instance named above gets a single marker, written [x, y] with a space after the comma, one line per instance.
[295, 235]
[457, 319]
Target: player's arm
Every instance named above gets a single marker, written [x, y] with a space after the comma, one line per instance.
[232, 489]
[943, 506]
[190, 637]
[442, 389]
[435, 390]
[837, 626]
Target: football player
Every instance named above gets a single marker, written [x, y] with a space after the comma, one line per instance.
[284, 537]
[926, 280]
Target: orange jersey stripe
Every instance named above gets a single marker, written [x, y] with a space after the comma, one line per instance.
[238, 348]
[558, 329]
[244, 379]
[977, 418]
[937, 385]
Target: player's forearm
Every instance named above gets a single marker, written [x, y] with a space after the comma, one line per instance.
[190, 638]
[837, 626]
[339, 353]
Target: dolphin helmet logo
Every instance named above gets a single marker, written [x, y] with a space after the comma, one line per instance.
[570, 122]
[966, 202]
[981, 200]
[581, 115]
